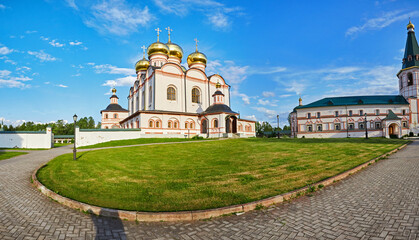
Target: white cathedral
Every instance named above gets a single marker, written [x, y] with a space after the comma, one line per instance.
[356, 116]
[168, 100]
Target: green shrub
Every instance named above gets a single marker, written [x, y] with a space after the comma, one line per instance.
[196, 137]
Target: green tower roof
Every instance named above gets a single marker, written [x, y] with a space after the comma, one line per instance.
[411, 49]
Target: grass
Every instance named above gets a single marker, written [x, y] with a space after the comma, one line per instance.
[7, 155]
[138, 141]
[202, 175]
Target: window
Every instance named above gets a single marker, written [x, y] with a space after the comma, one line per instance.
[150, 123]
[350, 113]
[309, 128]
[143, 100]
[158, 124]
[319, 127]
[318, 114]
[404, 111]
[404, 124]
[361, 126]
[171, 93]
[361, 112]
[377, 125]
[215, 123]
[186, 125]
[240, 128]
[377, 112]
[409, 79]
[115, 115]
[196, 95]
[150, 95]
[106, 127]
[308, 115]
[337, 126]
[176, 124]
[336, 113]
[351, 126]
[169, 124]
[106, 115]
[192, 125]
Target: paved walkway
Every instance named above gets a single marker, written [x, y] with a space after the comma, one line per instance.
[381, 202]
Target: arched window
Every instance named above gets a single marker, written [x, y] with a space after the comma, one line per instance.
[150, 123]
[240, 128]
[169, 124]
[106, 127]
[157, 124]
[176, 125]
[196, 95]
[171, 93]
[192, 125]
[106, 115]
[115, 115]
[215, 123]
[409, 79]
[186, 125]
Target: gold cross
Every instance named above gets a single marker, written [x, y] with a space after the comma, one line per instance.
[168, 31]
[158, 33]
[196, 44]
[143, 47]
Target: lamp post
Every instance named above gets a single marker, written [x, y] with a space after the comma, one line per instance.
[366, 128]
[277, 120]
[74, 148]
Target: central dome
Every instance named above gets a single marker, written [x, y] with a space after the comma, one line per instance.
[174, 50]
[157, 48]
[197, 57]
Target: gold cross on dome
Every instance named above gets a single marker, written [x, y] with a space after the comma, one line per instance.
[143, 47]
[168, 31]
[196, 44]
[158, 33]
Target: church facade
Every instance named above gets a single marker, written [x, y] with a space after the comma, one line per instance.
[168, 100]
[356, 116]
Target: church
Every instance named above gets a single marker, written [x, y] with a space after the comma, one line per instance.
[168, 100]
[355, 116]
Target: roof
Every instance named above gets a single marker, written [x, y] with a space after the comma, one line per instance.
[216, 108]
[114, 107]
[356, 100]
[218, 92]
[411, 49]
[391, 116]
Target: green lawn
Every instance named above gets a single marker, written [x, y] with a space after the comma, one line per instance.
[204, 175]
[137, 141]
[7, 155]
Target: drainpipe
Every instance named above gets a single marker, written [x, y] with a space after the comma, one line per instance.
[347, 129]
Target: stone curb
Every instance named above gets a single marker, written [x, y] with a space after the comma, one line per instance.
[198, 214]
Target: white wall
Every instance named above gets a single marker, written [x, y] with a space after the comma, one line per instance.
[85, 137]
[26, 139]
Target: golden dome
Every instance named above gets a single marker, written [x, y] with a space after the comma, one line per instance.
[410, 25]
[157, 47]
[197, 57]
[113, 90]
[142, 65]
[218, 85]
[174, 50]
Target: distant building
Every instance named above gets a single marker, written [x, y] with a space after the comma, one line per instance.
[383, 116]
[114, 113]
[168, 100]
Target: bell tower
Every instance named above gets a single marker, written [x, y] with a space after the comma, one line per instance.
[409, 74]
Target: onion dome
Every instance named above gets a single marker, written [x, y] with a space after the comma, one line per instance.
[142, 65]
[197, 57]
[218, 85]
[174, 50]
[410, 25]
[157, 48]
[114, 91]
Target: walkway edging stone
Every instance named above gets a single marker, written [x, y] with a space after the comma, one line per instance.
[198, 214]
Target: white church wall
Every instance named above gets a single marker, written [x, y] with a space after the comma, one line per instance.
[26, 139]
[196, 78]
[164, 81]
[85, 137]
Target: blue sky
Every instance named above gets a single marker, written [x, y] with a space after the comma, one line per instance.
[58, 58]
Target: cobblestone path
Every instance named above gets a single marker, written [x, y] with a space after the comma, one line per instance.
[380, 202]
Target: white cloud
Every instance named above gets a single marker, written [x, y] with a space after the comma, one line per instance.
[7, 80]
[250, 117]
[5, 50]
[75, 43]
[72, 4]
[219, 20]
[2, 6]
[295, 86]
[268, 94]
[123, 81]
[14, 123]
[107, 68]
[61, 86]
[30, 32]
[54, 43]
[44, 38]
[270, 114]
[41, 55]
[117, 17]
[381, 22]
[244, 97]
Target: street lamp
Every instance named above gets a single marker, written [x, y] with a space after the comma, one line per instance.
[277, 120]
[74, 148]
[366, 128]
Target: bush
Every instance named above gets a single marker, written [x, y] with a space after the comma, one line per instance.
[196, 137]
[411, 134]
